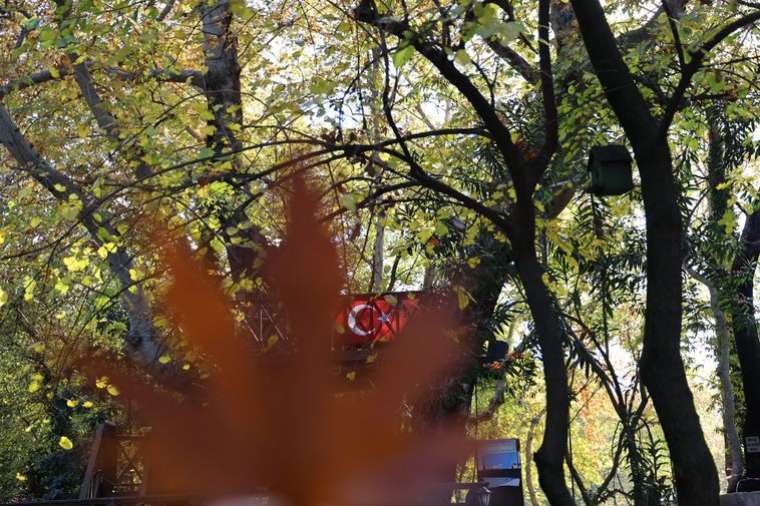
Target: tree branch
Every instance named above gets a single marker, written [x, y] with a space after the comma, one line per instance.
[367, 12]
[547, 86]
[32, 79]
[515, 60]
[616, 79]
[676, 35]
[697, 58]
[142, 333]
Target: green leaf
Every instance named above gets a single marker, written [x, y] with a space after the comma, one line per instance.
[348, 201]
[31, 23]
[240, 8]
[463, 299]
[74, 264]
[402, 56]
[322, 86]
[728, 221]
[462, 57]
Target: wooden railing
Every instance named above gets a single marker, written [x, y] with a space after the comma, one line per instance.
[115, 466]
[152, 500]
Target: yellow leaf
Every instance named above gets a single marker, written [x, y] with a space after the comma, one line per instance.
[33, 386]
[107, 248]
[29, 287]
[3, 297]
[164, 359]
[463, 298]
[61, 287]
[351, 376]
[87, 404]
[113, 390]
[65, 443]
[73, 264]
[102, 382]
[271, 341]
[20, 477]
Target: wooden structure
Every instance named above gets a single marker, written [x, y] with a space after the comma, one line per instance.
[115, 466]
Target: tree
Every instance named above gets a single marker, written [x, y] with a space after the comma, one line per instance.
[661, 363]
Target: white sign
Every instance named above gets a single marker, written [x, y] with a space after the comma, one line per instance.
[753, 444]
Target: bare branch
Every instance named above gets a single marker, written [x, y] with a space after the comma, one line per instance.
[676, 35]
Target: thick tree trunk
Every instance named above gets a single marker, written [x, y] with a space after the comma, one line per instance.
[222, 78]
[662, 368]
[746, 336]
[244, 242]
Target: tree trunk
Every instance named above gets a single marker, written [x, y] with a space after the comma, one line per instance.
[728, 401]
[529, 455]
[550, 457]
[662, 369]
[745, 334]
[718, 284]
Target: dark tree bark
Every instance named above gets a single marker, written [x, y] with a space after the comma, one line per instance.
[745, 334]
[661, 365]
[550, 457]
